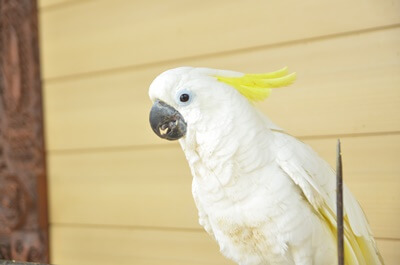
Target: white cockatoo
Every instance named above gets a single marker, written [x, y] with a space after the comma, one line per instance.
[263, 195]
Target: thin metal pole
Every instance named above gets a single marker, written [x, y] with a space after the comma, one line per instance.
[339, 204]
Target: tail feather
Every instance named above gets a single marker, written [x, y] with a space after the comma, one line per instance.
[358, 250]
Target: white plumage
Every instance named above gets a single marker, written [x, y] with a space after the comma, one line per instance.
[266, 197]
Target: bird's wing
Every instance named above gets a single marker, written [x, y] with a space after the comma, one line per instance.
[317, 181]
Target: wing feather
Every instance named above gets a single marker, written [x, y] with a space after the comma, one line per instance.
[317, 181]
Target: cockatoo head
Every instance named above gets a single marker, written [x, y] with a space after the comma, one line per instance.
[188, 98]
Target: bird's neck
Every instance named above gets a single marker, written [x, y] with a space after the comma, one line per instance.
[224, 158]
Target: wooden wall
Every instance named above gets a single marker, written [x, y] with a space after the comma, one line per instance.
[119, 195]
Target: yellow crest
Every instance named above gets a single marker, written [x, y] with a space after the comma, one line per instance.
[256, 87]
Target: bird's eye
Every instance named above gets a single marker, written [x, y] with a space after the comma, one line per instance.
[184, 97]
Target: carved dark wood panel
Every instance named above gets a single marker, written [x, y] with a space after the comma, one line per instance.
[23, 200]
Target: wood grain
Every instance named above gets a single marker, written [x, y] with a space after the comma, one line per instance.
[100, 245]
[141, 186]
[345, 85]
[100, 35]
[23, 190]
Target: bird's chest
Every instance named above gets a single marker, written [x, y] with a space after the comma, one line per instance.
[247, 241]
[247, 229]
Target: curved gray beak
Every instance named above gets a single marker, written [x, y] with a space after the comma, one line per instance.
[166, 121]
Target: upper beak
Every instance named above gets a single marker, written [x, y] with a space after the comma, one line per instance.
[166, 121]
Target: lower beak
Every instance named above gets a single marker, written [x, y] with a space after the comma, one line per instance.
[166, 121]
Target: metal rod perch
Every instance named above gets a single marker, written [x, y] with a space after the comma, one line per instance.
[339, 204]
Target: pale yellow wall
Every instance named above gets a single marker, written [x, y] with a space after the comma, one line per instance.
[119, 195]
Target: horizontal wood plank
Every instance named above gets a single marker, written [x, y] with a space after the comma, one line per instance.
[345, 85]
[43, 4]
[91, 245]
[97, 246]
[141, 187]
[99, 35]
